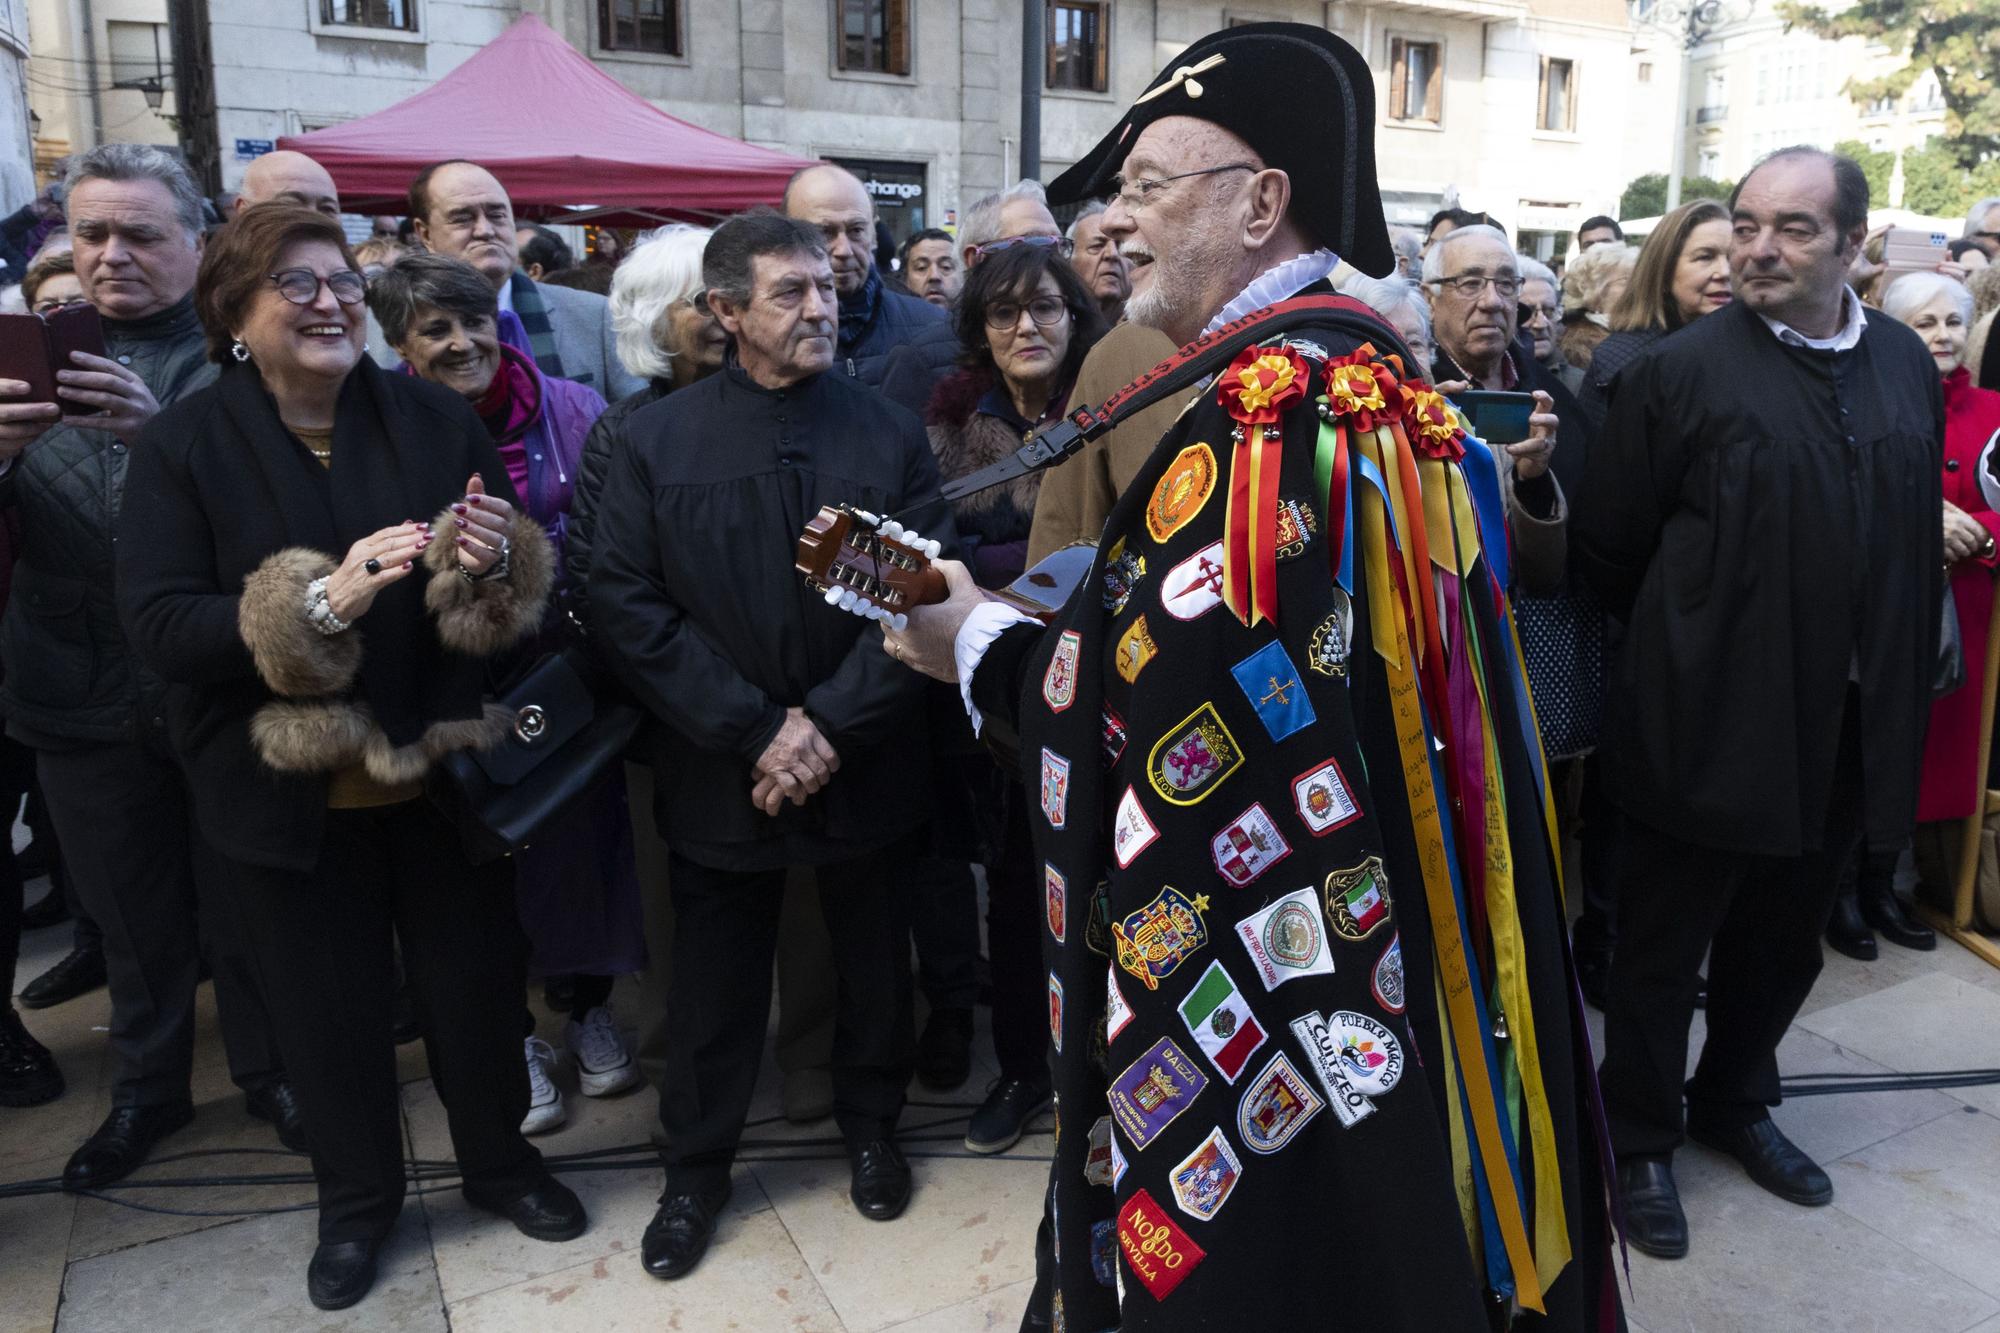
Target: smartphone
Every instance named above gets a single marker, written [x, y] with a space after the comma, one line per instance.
[1497, 417]
[1912, 250]
[34, 347]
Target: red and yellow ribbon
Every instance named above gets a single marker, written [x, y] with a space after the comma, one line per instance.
[1256, 390]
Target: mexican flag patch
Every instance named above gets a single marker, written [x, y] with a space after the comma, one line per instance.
[1221, 1022]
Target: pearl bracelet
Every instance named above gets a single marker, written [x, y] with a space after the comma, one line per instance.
[319, 611]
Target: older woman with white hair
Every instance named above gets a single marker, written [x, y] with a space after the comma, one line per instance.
[1401, 302]
[1939, 310]
[1591, 286]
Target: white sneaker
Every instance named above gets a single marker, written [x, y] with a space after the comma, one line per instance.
[545, 1103]
[604, 1063]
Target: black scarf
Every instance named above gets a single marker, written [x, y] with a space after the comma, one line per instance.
[382, 474]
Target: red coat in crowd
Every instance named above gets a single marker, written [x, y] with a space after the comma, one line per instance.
[1953, 767]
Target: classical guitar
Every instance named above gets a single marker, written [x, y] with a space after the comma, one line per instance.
[876, 568]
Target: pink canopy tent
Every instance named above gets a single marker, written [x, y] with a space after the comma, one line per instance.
[568, 141]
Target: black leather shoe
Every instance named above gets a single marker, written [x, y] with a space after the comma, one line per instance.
[1654, 1222]
[881, 1188]
[78, 972]
[1010, 1104]
[121, 1143]
[28, 1073]
[276, 1104]
[1848, 933]
[1884, 911]
[944, 1052]
[1772, 1160]
[550, 1211]
[340, 1273]
[679, 1233]
[51, 909]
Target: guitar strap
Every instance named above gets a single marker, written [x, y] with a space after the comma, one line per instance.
[1197, 361]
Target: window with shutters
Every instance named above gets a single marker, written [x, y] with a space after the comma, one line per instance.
[872, 36]
[1416, 80]
[395, 15]
[1079, 42]
[1556, 104]
[650, 26]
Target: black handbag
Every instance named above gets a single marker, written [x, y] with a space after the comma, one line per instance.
[1949, 671]
[564, 739]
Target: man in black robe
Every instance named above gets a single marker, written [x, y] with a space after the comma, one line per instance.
[1762, 510]
[784, 736]
[1270, 1105]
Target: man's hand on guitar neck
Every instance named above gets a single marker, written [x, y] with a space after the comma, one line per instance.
[927, 643]
[797, 763]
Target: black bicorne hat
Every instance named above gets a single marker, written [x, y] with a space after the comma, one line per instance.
[1299, 96]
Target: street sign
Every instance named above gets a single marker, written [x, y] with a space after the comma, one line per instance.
[248, 150]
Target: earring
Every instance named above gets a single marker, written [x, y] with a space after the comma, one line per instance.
[239, 351]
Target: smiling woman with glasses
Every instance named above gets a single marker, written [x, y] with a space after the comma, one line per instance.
[306, 493]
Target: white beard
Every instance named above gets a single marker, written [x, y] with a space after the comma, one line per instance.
[1176, 298]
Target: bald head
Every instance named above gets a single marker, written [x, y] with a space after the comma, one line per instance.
[832, 200]
[292, 178]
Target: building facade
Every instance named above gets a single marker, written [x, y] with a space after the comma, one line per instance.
[1536, 111]
[17, 177]
[1754, 87]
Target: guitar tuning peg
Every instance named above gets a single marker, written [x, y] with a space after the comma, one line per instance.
[897, 622]
[868, 518]
[931, 549]
[833, 596]
[892, 530]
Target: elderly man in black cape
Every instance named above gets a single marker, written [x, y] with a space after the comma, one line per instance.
[1764, 515]
[1316, 1052]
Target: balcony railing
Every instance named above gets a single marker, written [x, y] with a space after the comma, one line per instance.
[1708, 115]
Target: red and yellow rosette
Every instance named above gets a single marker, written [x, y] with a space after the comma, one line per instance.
[1428, 421]
[1255, 391]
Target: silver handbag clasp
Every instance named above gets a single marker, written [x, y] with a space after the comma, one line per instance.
[530, 723]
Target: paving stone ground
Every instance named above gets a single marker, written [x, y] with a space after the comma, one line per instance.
[1911, 1243]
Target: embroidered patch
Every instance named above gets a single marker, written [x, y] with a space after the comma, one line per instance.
[1135, 649]
[1118, 1162]
[1114, 737]
[1055, 899]
[1097, 930]
[1355, 1057]
[1271, 683]
[1328, 648]
[1191, 761]
[1387, 983]
[1131, 831]
[1116, 1012]
[1154, 1090]
[1097, 1161]
[1157, 1251]
[1158, 938]
[1248, 846]
[1297, 526]
[1220, 1021]
[1055, 787]
[1275, 1107]
[1287, 939]
[1059, 681]
[1323, 799]
[1193, 588]
[1122, 571]
[1103, 1252]
[1202, 1180]
[1055, 1012]
[1181, 491]
[1357, 900]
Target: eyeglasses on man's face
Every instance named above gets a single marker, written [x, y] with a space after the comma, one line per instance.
[1470, 285]
[1136, 193]
[301, 286]
[1061, 244]
[1046, 311]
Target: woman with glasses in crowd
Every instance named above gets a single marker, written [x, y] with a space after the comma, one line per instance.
[51, 283]
[578, 893]
[320, 557]
[1024, 322]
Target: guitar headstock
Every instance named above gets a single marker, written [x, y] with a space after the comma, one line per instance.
[871, 566]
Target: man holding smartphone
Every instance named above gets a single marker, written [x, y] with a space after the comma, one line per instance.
[72, 689]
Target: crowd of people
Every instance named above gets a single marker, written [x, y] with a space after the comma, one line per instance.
[269, 562]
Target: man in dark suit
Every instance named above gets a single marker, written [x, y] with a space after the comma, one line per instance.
[460, 209]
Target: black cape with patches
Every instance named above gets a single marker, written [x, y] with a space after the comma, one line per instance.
[1336, 1227]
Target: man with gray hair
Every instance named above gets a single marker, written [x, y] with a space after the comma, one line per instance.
[72, 688]
[1982, 226]
[784, 735]
[1096, 260]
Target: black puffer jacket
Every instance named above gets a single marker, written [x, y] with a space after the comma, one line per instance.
[591, 469]
[70, 675]
[897, 318]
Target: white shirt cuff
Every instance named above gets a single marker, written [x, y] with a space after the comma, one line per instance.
[986, 623]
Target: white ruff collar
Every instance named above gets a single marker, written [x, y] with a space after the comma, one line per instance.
[1276, 284]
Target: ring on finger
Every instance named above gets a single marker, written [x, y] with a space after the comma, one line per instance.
[372, 565]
